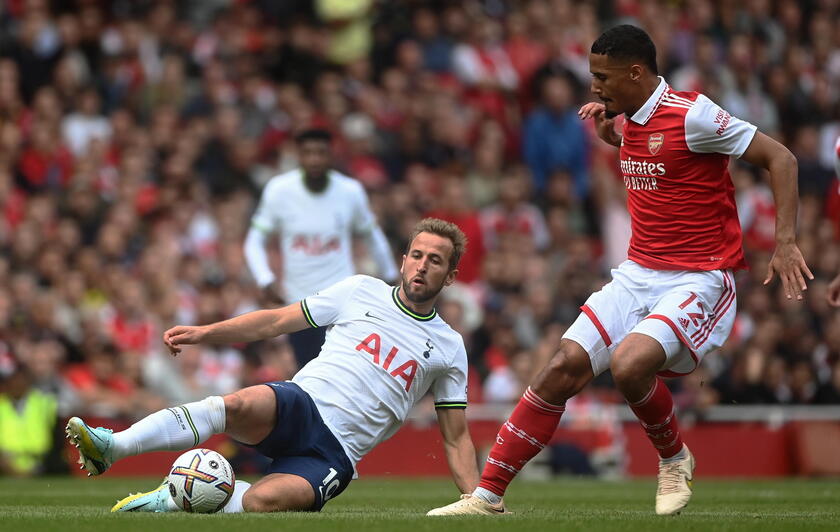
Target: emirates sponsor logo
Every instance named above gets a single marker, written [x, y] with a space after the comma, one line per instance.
[655, 143]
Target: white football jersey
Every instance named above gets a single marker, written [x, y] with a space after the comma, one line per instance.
[378, 360]
[315, 229]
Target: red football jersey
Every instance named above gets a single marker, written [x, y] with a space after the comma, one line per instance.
[674, 157]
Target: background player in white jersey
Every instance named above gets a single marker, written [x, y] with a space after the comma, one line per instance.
[316, 211]
[385, 348]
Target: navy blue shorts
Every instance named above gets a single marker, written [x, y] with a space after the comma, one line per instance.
[302, 445]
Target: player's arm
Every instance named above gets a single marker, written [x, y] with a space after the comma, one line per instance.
[460, 451]
[605, 127]
[263, 223]
[250, 327]
[257, 259]
[365, 226]
[787, 260]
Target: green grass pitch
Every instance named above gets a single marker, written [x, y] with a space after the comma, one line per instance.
[566, 504]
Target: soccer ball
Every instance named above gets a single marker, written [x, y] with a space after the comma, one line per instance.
[201, 481]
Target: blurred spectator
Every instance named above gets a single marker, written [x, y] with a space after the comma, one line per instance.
[28, 424]
[554, 139]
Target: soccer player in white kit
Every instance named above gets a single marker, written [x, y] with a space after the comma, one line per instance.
[673, 300]
[316, 211]
[385, 348]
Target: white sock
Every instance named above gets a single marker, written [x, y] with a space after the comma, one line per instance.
[679, 456]
[487, 496]
[172, 429]
[234, 505]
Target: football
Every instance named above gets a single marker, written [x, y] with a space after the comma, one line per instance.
[201, 481]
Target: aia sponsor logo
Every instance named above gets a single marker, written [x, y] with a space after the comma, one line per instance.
[655, 143]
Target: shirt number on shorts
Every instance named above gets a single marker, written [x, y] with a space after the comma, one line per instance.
[329, 485]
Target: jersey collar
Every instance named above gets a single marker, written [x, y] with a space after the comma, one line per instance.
[646, 111]
[408, 311]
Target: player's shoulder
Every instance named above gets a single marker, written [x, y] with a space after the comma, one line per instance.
[283, 181]
[369, 285]
[705, 114]
[450, 335]
[346, 183]
[677, 103]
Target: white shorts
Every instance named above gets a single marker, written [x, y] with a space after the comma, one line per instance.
[689, 312]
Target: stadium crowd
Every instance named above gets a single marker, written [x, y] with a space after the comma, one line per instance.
[135, 138]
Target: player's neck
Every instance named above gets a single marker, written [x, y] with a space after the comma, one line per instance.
[647, 86]
[423, 309]
[316, 184]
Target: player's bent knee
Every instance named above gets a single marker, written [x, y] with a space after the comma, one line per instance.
[565, 375]
[623, 369]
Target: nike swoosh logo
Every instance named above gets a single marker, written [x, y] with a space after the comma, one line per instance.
[369, 315]
[138, 507]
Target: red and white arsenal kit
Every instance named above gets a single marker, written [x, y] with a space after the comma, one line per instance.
[677, 285]
[674, 157]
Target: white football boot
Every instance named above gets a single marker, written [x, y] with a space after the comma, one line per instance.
[470, 505]
[674, 489]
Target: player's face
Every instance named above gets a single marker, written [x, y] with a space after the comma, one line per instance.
[315, 157]
[425, 269]
[614, 82]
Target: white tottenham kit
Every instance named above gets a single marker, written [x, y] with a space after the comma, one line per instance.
[378, 360]
[316, 231]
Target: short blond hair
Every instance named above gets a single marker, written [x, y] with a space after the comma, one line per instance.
[445, 229]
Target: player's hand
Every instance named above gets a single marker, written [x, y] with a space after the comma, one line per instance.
[605, 127]
[833, 292]
[271, 294]
[788, 262]
[182, 335]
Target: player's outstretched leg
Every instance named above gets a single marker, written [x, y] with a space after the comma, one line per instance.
[172, 429]
[527, 431]
[523, 435]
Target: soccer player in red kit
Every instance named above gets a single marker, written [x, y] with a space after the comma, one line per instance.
[673, 300]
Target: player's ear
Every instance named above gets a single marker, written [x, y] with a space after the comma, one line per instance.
[635, 72]
[450, 277]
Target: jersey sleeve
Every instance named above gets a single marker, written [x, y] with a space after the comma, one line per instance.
[324, 308]
[265, 217]
[363, 218]
[450, 389]
[710, 129]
